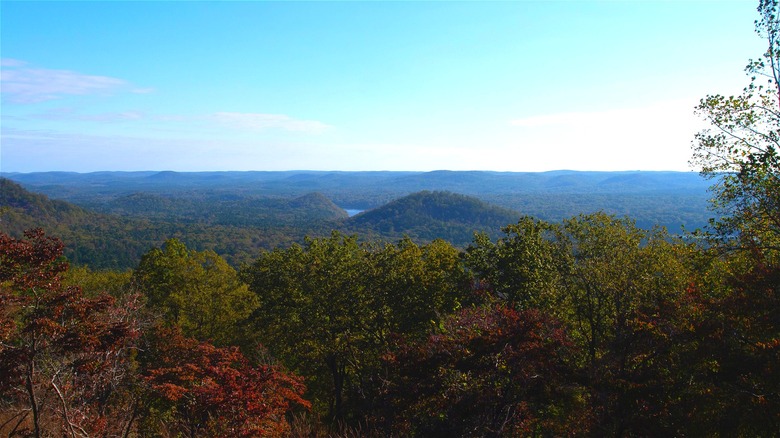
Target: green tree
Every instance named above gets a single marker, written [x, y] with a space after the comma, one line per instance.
[197, 291]
[521, 266]
[312, 313]
[619, 289]
[740, 340]
[618, 282]
[329, 309]
[740, 150]
[413, 286]
[115, 283]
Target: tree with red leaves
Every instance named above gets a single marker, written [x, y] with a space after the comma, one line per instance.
[64, 356]
[491, 371]
[197, 389]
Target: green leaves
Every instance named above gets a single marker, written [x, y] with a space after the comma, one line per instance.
[197, 291]
[741, 150]
[519, 267]
[328, 309]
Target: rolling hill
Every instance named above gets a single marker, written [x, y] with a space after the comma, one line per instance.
[109, 241]
[429, 215]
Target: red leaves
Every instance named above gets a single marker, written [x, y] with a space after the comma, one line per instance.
[216, 392]
[34, 262]
[490, 371]
[63, 355]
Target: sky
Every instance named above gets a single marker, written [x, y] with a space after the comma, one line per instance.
[364, 85]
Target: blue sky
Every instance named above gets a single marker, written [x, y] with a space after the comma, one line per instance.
[506, 86]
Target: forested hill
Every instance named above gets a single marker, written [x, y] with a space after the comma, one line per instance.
[21, 208]
[430, 215]
[109, 219]
[110, 241]
[221, 209]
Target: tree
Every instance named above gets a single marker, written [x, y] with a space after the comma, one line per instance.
[65, 357]
[740, 151]
[196, 389]
[198, 291]
[329, 309]
[487, 371]
[312, 313]
[115, 283]
[521, 266]
[413, 286]
[741, 341]
[738, 358]
[621, 288]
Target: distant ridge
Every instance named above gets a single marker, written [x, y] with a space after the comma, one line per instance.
[400, 183]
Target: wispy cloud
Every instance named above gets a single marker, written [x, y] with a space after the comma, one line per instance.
[8, 62]
[260, 122]
[644, 116]
[146, 90]
[24, 84]
[69, 114]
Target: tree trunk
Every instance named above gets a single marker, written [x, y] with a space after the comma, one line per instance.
[33, 399]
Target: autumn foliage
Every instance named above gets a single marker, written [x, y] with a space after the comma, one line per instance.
[64, 356]
[490, 371]
[209, 391]
[77, 366]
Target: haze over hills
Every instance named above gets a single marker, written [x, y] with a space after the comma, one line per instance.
[237, 230]
[671, 199]
[291, 182]
[239, 213]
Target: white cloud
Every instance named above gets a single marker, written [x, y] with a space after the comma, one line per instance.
[259, 122]
[31, 150]
[23, 84]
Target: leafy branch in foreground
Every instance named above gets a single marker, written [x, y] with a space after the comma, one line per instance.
[740, 150]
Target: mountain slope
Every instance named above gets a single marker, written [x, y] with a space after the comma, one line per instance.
[22, 210]
[221, 208]
[430, 215]
[105, 241]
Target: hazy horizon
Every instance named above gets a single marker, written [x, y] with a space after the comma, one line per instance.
[353, 171]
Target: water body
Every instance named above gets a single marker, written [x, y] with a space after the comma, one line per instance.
[351, 212]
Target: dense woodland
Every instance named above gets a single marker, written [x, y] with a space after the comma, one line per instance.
[586, 326]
